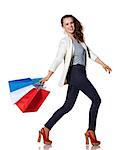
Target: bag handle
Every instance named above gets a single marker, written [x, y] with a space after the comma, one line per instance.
[40, 85]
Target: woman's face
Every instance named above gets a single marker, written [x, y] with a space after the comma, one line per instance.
[68, 25]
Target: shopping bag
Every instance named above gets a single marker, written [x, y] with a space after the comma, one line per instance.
[17, 94]
[18, 88]
[31, 101]
[20, 83]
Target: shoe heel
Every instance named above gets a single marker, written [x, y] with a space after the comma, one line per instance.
[39, 137]
[93, 139]
[87, 139]
[45, 139]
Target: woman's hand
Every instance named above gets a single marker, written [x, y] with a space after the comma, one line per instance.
[44, 80]
[107, 68]
[47, 77]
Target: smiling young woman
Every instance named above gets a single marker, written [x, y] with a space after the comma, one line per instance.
[74, 51]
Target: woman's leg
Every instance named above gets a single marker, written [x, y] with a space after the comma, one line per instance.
[72, 94]
[88, 89]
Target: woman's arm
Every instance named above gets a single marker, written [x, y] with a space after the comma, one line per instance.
[47, 77]
[94, 57]
[106, 67]
[57, 61]
[59, 56]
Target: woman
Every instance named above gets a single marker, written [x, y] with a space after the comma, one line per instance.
[74, 52]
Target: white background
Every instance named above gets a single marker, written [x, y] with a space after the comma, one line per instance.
[29, 35]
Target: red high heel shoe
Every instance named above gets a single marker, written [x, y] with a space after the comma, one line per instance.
[91, 135]
[45, 139]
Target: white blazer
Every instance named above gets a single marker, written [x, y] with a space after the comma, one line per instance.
[65, 52]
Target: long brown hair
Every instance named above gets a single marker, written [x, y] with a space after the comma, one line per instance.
[78, 33]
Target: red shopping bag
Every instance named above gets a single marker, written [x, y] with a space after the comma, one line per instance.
[31, 101]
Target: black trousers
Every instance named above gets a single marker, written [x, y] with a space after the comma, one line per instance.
[78, 80]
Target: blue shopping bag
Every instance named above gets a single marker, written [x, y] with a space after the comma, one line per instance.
[18, 88]
[21, 83]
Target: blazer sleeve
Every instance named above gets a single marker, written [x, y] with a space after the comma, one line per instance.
[59, 56]
[93, 56]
